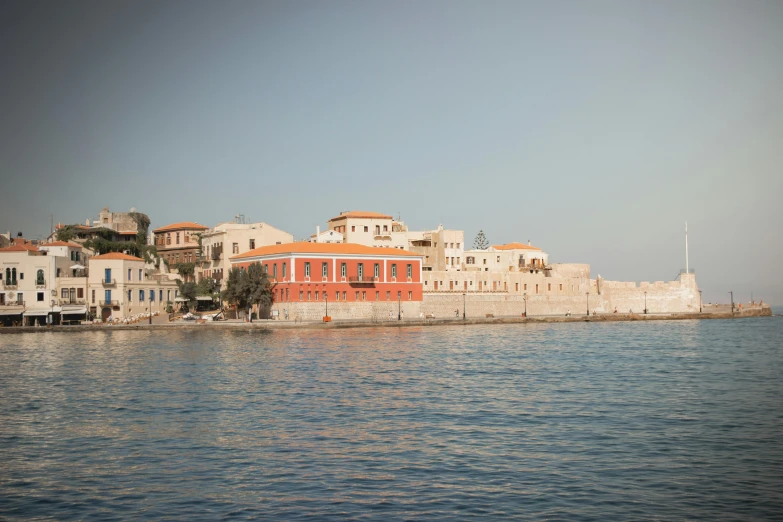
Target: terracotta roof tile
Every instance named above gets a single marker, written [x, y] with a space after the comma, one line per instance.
[359, 214]
[118, 255]
[305, 247]
[515, 246]
[26, 247]
[62, 243]
[180, 226]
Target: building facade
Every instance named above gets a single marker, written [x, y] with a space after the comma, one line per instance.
[309, 278]
[178, 243]
[231, 239]
[121, 286]
[33, 281]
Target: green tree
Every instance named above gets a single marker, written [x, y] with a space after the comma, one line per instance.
[188, 290]
[66, 233]
[247, 287]
[236, 292]
[480, 243]
[260, 289]
[186, 270]
[207, 287]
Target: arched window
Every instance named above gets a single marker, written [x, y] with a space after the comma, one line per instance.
[8, 276]
[13, 276]
[39, 277]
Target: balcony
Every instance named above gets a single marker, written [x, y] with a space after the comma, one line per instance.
[361, 280]
[382, 235]
[109, 303]
[40, 283]
[10, 285]
[109, 282]
[67, 301]
[216, 253]
[12, 305]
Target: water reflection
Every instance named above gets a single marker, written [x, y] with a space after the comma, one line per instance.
[631, 420]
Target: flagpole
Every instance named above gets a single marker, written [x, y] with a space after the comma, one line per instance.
[687, 271]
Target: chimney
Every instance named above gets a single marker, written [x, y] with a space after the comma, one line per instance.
[528, 242]
[317, 230]
[19, 234]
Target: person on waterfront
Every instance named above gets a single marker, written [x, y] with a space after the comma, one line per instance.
[402, 315]
[568, 313]
[456, 313]
[285, 313]
[615, 309]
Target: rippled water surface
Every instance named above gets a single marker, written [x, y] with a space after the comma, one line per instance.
[664, 420]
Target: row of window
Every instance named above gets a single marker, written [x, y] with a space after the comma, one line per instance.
[10, 277]
[283, 295]
[142, 294]
[344, 270]
[484, 284]
[159, 240]
[65, 293]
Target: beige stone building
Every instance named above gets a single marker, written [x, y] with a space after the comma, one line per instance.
[42, 283]
[230, 239]
[121, 286]
[178, 243]
[123, 226]
[442, 249]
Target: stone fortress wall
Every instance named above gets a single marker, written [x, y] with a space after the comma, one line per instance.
[602, 297]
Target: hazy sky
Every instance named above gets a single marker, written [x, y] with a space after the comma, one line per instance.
[593, 129]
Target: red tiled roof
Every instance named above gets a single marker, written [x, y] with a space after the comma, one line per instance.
[305, 247]
[361, 214]
[23, 247]
[62, 243]
[180, 226]
[515, 246]
[118, 255]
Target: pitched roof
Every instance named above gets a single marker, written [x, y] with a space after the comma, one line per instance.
[361, 214]
[306, 247]
[180, 226]
[62, 243]
[515, 246]
[117, 255]
[22, 247]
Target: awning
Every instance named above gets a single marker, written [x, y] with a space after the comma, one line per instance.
[204, 298]
[180, 300]
[78, 267]
[29, 313]
[11, 312]
[75, 311]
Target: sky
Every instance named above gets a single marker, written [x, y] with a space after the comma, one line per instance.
[593, 129]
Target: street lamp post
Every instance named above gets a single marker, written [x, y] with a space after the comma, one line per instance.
[463, 306]
[399, 308]
[524, 298]
[588, 303]
[149, 309]
[700, 301]
[645, 302]
[51, 315]
[732, 300]
[326, 298]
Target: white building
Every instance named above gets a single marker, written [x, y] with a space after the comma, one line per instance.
[33, 281]
[225, 240]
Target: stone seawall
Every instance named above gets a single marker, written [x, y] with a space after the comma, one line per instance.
[416, 323]
[661, 298]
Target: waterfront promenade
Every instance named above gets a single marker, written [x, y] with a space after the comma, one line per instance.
[722, 312]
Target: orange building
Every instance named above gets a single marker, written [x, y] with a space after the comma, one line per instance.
[178, 242]
[337, 272]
